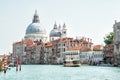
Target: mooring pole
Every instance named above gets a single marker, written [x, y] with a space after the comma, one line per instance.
[20, 63]
[5, 63]
[17, 63]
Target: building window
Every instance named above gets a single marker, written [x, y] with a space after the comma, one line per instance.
[64, 49]
[25, 49]
[52, 39]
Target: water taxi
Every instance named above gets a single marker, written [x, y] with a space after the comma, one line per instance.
[71, 58]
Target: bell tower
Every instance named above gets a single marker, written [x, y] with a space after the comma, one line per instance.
[64, 31]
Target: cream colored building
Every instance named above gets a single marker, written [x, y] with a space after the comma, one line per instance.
[19, 49]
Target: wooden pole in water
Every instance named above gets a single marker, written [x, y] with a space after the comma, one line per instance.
[20, 63]
[17, 63]
[5, 63]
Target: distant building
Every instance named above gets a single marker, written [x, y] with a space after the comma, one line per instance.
[96, 57]
[35, 31]
[57, 32]
[89, 56]
[48, 53]
[41, 53]
[31, 54]
[108, 51]
[97, 54]
[10, 58]
[116, 30]
[84, 56]
[58, 47]
[19, 49]
[34, 48]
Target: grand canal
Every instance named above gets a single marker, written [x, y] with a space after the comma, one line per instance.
[58, 72]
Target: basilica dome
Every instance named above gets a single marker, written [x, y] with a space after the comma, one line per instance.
[34, 28]
[55, 33]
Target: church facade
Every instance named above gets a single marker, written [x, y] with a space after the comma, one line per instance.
[35, 31]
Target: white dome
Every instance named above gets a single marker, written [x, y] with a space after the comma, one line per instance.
[35, 28]
[35, 31]
[55, 33]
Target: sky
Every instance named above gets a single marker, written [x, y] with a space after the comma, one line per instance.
[89, 18]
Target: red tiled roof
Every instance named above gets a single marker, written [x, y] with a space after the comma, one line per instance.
[72, 40]
[63, 40]
[96, 47]
[83, 48]
[32, 45]
[48, 44]
[25, 42]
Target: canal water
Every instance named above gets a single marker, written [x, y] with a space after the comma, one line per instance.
[58, 72]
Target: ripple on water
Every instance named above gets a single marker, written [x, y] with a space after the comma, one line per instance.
[58, 72]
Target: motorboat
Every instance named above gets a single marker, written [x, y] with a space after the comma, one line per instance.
[71, 59]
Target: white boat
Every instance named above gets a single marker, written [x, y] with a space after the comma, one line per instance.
[71, 59]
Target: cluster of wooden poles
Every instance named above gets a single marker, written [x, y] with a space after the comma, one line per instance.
[18, 62]
[5, 63]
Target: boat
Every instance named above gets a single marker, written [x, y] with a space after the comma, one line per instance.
[71, 58]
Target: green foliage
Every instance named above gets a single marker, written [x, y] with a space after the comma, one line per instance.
[108, 39]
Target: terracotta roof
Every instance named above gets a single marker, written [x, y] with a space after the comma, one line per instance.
[48, 44]
[83, 48]
[17, 42]
[63, 40]
[32, 45]
[27, 41]
[96, 47]
[24, 42]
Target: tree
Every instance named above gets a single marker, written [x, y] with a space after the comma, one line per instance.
[108, 39]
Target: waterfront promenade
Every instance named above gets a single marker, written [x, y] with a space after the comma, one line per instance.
[58, 72]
